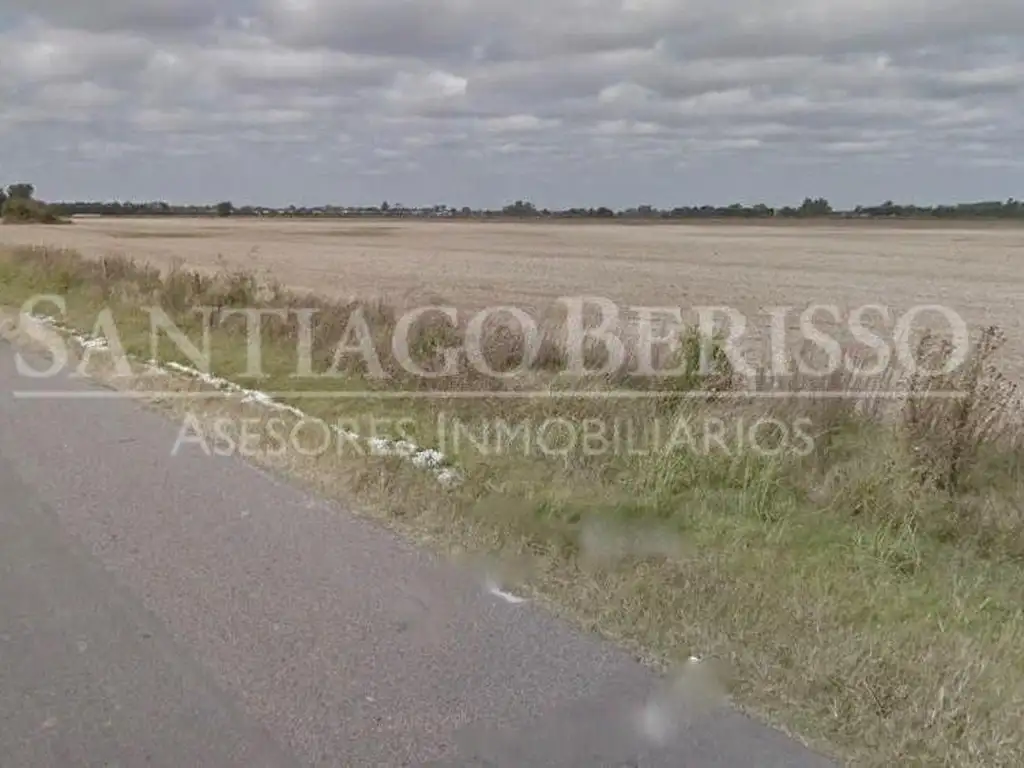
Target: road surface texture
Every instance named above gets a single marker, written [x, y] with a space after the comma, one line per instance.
[195, 611]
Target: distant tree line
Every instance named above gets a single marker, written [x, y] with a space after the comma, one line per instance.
[810, 208]
[1011, 209]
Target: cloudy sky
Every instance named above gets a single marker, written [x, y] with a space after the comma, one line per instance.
[480, 102]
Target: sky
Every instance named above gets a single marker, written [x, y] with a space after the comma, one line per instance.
[481, 102]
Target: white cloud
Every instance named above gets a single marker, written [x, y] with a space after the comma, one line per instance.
[588, 100]
[102, 151]
[427, 86]
[518, 123]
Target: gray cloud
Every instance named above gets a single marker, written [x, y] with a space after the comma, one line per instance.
[572, 101]
[150, 17]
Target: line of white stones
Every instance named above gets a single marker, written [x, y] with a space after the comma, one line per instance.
[422, 458]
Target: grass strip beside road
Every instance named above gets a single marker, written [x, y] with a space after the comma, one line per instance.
[863, 595]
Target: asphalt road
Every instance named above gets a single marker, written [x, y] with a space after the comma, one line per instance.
[195, 611]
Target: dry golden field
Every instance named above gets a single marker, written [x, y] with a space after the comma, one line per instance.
[977, 270]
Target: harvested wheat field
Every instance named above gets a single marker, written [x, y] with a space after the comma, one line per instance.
[974, 270]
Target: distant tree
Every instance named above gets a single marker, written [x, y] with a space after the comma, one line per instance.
[18, 207]
[21, 191]
[225, 209]
[520, 208]
[816, 207]
[385, 207]
[19, 210]
[3, 197]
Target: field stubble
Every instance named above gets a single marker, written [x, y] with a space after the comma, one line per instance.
[976, 270]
